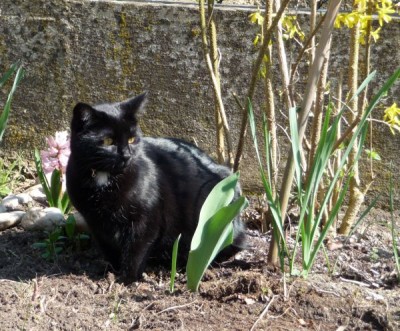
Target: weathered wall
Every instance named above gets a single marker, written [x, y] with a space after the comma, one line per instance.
[96, 51]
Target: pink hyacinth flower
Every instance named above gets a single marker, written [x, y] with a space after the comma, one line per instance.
[57, 154]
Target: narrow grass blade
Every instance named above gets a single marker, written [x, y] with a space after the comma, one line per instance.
[393, 228]
[173, 264]
[65, 203]
[272, 203]
[7, 107]
[8, 74]
[294, 134]
[42, 178]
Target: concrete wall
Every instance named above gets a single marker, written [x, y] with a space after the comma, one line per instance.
[95, 51]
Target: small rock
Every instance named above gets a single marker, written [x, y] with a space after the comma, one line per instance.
[15, 201]
[10, 202]
[38, 219]
[8, 220]
[24, 198]
[3, 209]
[37, 194]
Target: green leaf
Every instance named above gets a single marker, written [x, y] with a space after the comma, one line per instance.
[216, 233]
[70, 225]
[173, 264]
[373, 155]
[65, 203]
[39, 245]
[220, 196]
[55, 188]
[7, 107]
[42, 178]
[272, 203]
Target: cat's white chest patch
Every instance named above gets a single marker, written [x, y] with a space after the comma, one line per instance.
[101, 178]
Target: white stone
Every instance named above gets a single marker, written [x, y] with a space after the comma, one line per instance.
[24, 198]
[8, 220]
[37, 194]
[15, 201]
[38, 219]
[10, 202]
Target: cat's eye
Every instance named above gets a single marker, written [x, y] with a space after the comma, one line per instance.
[131, 140]
[107, 141]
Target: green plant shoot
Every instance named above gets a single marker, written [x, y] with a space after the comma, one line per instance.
[214, 230]
[53, 190]
[6, 111]
[173, 264]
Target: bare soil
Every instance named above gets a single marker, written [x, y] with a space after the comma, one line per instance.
[79, 292]
[353, 287]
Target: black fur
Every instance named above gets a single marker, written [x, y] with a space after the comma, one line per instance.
[137, 198]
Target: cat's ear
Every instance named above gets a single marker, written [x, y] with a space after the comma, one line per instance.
[82, 115]
[134, 106]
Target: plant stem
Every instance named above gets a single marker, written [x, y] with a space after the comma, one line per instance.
[253, 80]
[283, 65]
[356, 197]
[314, 74]
[215, 82]
[215, 63]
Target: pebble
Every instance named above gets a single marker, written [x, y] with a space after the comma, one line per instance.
[38, 219]
[37, 194]
[10, 202]
[15, 201]
[8, 220]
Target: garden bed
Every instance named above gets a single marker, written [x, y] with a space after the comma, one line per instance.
[78, 291]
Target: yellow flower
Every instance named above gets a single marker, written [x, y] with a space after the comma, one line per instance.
[350, 20]
[375, 34]
[289, 23]
[256, 18]
[392, 117]
[362, 4]
[384, 12]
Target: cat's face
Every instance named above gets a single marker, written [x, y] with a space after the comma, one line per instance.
[106, 137]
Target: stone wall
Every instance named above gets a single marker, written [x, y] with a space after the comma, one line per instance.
[95, 51]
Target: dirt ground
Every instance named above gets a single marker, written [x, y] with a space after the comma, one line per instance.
[356, 290]
[78, 291]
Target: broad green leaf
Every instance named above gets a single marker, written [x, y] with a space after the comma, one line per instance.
[55, 188]
[220, 196]
[70, 225]
[216, 234]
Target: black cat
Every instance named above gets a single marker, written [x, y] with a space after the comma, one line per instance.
[137, 194]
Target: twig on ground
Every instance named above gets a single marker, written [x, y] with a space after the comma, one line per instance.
[325, 291]
[177, 307]
[263, 312]
[354, 282]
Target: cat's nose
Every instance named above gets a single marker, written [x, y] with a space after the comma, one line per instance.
[124, 156]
